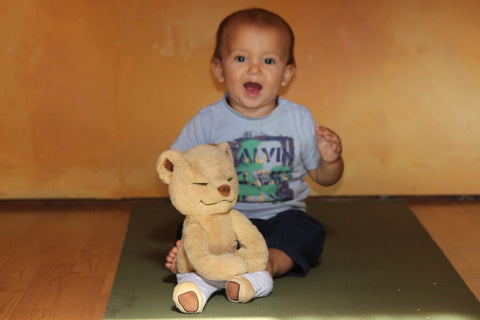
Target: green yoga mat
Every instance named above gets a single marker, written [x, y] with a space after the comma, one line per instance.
[378, 263]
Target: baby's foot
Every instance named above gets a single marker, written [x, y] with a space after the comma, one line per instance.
[171, 259]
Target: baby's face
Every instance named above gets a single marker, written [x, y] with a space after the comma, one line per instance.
[253, 68]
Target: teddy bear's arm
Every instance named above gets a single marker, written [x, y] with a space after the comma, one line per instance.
[209, 265]
[252, 244]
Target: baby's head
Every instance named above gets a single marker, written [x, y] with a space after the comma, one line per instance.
[259, 18]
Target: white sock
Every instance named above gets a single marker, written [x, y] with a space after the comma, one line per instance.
[207, 287]
[261, 282]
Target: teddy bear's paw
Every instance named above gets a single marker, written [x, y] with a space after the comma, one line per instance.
[188, 298]
[221, 267]
[239, 289]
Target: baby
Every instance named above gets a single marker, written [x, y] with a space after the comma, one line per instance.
[275, 142]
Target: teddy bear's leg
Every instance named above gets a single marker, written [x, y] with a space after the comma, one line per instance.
[245, 287]
[192, 292]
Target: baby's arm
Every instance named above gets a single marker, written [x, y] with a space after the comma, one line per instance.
[330, 166]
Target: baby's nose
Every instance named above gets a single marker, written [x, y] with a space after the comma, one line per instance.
[224, 190]
[253, 68]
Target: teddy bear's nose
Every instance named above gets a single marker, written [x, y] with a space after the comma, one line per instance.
[224, 190]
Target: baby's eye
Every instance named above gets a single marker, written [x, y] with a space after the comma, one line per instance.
[200, 183]
[240, 59]
[269, 61]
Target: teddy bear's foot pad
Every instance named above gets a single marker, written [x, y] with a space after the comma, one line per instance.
[188, 301]
[232, 289]
[188, 298]
[239, 289]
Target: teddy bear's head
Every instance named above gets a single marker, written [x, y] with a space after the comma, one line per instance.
[201, 180]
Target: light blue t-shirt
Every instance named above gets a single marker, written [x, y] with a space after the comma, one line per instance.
[272, 154]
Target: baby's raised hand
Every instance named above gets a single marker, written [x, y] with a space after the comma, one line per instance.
[328, 143]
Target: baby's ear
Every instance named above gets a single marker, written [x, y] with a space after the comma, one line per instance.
[217, 69]
[166, 164]
[288, 74]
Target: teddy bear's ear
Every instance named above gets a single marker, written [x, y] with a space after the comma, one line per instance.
[224, 146]
[166, 164]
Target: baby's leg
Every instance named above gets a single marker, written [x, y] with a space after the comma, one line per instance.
[248, 286]
[193, 291]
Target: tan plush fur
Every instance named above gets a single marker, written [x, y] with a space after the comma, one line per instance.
[218, 242]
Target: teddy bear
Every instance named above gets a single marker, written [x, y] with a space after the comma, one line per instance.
[220, 247]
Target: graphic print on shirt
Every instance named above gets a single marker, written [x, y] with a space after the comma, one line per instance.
[264, 166]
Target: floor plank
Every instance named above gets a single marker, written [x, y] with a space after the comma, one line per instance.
[59, 262]
[455, 227]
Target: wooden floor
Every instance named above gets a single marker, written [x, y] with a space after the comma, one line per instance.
[58, 261]
[455, 227]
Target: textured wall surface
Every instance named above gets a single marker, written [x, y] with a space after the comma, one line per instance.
[92, 91]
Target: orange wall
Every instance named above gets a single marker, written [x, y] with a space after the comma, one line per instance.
[92, 91]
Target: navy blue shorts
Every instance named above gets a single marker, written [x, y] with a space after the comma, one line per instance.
[297, 234]
[294, 232]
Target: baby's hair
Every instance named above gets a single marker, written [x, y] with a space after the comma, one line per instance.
[257, 17]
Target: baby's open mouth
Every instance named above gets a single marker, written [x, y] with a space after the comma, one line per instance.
[252, 88]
